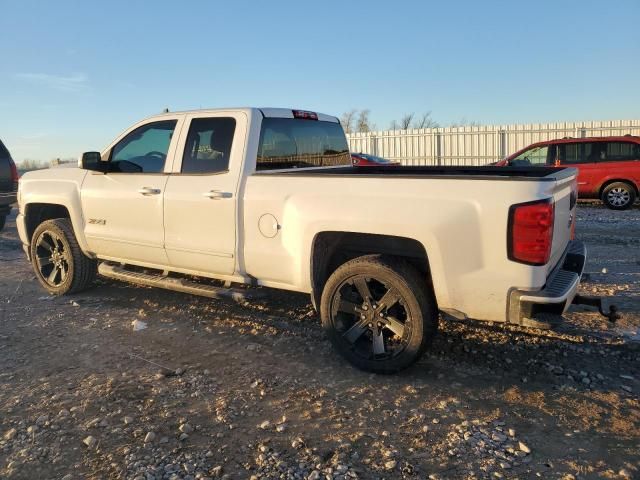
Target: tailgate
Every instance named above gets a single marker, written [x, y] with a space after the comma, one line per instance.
[565, 195]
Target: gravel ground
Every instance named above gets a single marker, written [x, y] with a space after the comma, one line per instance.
[131, 382]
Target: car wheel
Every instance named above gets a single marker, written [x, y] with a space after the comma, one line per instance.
[3, 221]
[378, 313]
[60, 265]
[619, 196]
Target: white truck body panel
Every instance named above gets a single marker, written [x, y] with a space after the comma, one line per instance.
[465, 238]
[260, 227]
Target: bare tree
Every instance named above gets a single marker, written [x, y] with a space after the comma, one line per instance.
[465, 123]
[405, 121]
[348, 119]
[425, 121]
[27, 165]
[364, 123]
[409, 120]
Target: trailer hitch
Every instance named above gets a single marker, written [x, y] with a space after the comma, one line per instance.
[612, 315]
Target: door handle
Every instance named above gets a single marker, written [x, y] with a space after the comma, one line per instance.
[149, 191]
[217, 194]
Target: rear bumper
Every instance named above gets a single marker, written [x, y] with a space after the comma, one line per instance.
[6, 200]
[558, 292]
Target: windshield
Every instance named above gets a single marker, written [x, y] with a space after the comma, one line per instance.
[536, 156]
[299, 143]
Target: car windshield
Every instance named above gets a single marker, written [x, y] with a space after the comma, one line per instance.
[299, 143]
[536, 156]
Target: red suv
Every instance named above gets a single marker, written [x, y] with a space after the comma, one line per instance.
[608, 167]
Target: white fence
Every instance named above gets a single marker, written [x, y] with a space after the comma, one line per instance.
[476, 145]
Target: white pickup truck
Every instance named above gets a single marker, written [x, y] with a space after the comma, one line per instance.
[201, 200]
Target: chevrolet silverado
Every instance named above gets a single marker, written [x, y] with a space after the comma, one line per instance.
[201, 201]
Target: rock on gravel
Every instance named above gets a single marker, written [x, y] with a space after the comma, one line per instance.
[90, 441]
[186, 428]
[391, 464]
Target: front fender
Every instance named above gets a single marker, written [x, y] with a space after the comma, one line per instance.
[53, 187]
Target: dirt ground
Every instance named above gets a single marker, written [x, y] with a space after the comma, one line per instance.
[218, 389]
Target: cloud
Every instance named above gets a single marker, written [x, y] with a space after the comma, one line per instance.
[67, 83]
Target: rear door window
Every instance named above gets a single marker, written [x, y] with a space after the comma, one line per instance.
[208, 145]
[577, 153]
[299, 143]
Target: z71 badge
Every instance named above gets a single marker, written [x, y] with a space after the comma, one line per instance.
[97, 221]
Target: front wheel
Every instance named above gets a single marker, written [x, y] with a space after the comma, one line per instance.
[619, 196]
[59, 264]
[378, 313]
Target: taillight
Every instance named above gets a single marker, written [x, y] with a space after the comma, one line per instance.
[14, 171]
[305, 115]
[530, 232]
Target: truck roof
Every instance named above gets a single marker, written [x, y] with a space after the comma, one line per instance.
[265, 111]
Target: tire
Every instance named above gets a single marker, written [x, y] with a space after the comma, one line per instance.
[3, 221]
[373, 334]
[54, 247]
[619, 196]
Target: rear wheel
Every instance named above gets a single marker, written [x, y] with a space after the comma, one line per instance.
[60, 265]
[619, 196]
[378, 313]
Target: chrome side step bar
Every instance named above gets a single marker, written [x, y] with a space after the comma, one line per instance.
[117, 272]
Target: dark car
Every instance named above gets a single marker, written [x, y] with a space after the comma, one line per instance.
[608, 167]
[366, 160]
[8, 183]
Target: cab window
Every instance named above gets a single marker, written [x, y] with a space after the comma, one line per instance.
[208, 145]
[536, 156]
[297, 143]
[143, 150]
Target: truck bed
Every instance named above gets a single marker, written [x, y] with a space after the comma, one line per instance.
[545, 174]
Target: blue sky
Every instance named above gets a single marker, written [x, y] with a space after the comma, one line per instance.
[73, 74]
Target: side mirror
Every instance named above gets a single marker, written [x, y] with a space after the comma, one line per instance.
[93, 161]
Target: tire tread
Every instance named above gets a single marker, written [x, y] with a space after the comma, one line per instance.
[414, 281]
[632, 193]
[85, 269]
